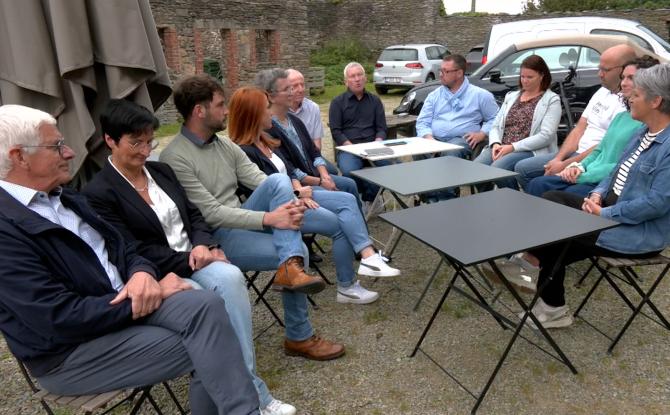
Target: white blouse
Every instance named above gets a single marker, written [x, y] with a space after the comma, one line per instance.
[167, 212]
[279, 164]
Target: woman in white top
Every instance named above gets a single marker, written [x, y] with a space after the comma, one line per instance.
[526, 123]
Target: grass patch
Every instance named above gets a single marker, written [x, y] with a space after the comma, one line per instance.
[374, 316]
[329, 93]
[166, 130]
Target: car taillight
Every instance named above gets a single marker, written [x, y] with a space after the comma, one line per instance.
[379, 65]
[414, 65]
[484, 59]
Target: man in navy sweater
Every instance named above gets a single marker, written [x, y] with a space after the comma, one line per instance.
[78, 306]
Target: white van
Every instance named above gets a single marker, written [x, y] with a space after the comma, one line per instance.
[505, 34]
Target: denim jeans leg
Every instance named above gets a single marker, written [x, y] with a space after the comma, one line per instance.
[348, 185]
[255, 251]
[349, 217]
[348, 163]
[507, 162]
[531, 168]
[326, 223]
[272, 193]
[227, 281]
[464, 152]
[485, 157]
[330, 167]
[539, 185]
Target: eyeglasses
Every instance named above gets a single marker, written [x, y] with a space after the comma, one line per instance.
[287, 90]
[59, 146]
[606, 70]
[138, 145]
[447, 72]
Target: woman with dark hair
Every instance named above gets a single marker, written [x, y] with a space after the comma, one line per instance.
[145, 202]
[526, 123]
[331, 213]
[580, 178]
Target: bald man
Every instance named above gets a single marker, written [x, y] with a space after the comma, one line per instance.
[591, 127]
[308, 111]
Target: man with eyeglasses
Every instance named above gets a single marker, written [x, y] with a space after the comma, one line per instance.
[457, 113]
[80, 308]
[589, 130]
[357, 116]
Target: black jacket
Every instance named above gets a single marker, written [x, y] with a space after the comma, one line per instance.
[54, 293]
[119, 204]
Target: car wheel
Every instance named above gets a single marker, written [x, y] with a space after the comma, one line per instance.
[381, 90]
[430, 77]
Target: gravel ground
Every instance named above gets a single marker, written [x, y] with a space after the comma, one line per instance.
[376, 376]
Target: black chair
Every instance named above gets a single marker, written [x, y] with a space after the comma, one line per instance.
[98, 402]
[627, 274]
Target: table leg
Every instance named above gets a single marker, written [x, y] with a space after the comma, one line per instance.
[429, 282]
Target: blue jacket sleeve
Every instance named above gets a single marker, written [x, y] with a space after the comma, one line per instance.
[489, 109]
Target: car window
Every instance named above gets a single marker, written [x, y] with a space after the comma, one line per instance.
[557, 58]
[442, 51]
[432, 53]
[635, 38]
[399, 55]
[589, 58]
[656, 37]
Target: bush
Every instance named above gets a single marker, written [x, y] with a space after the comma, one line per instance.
[335, 55]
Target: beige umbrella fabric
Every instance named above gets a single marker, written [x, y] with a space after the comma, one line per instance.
[68, 57]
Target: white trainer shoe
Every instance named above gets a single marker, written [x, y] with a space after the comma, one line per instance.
[375, 266]
[550, 317]
[525, 280]
[356, 294]
[277, 407]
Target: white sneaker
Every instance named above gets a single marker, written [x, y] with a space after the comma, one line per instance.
[277, 407]
[356, 294]
[375, 266]
[550, 317]
[521, 261]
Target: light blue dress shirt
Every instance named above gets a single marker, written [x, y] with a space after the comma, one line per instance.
[447, 115]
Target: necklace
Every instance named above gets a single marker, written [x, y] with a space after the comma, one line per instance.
[141, 189]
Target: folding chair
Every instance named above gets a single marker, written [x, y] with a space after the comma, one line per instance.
[629, 276]
[92, 403]
[310, 241]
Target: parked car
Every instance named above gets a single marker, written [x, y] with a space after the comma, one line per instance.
[503, 35]
[405, 66]
[474, 58]
[501, 74]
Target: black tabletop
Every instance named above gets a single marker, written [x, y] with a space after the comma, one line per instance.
[492, 224]
[431, 175]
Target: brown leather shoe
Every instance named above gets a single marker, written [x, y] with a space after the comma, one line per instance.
[291, 276]
[314, 348]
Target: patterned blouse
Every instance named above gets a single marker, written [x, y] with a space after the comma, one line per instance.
[519, 120]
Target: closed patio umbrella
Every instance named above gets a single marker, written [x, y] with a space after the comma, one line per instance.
[69, 57]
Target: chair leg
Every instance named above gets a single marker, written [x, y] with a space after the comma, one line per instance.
[260, 297]
[181, 409]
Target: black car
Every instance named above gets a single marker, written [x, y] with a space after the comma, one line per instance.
[501, 74]
[474, 58]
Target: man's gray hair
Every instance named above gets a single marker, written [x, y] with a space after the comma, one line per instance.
[267, 79]
[352, 65]
[655, 82]
[19, 126]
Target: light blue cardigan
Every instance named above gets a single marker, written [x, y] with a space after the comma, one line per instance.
[542, 138]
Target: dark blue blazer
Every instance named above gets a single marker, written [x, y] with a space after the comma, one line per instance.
[54, 293]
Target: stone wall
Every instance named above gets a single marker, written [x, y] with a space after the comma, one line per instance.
[242, 36]
[246, 36]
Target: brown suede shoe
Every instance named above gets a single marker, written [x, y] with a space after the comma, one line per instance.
[291, 276]
[314, 348]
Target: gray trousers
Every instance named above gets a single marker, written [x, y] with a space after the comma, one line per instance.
[190, 332]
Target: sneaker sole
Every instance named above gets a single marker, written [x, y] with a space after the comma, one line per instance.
[309, 288]
[379, 274]
[308, 356]
[554, 324]
[343, 299]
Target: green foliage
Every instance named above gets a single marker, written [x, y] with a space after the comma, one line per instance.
[168, 130]
[335, 55]
[580, 5]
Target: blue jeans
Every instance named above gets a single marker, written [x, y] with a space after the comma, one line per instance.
[265, 250]
[331, 168]
[507, 162]
[228, 282]
[349, 162]
[539, 185]
[339, 218]
[345, 184]
[464, 152]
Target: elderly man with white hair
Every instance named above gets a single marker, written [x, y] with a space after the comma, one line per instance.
[80, 308]
[357, 116]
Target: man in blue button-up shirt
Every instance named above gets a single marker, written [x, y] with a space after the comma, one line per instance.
[457, 112]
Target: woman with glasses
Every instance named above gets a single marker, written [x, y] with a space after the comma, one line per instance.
[636, 194]
[526, 123]
[145, 202]
[331, 213]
